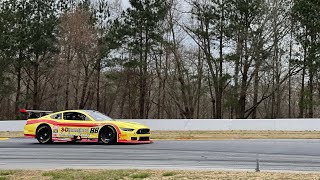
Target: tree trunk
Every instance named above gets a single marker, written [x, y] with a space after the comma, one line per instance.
[82, 104]
[277, 61]
[213, 101]
[312, 70]
[290, 58]
[36, 84]
[142, 82]
[311, 89]
[219, 91]
[255, 89]
[200, 76]
[98, 84]
[18, 91]
[301, 101]
[243, 88]
[236, 73]
[66, 106]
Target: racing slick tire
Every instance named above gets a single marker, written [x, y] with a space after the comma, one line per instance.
[108, 135]
[44, 134]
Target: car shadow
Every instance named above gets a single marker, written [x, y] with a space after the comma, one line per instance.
[91, 143]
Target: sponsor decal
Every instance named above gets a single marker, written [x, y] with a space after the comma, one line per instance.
[55, 129]
[64, 139]
[71, 130]
[73, 135]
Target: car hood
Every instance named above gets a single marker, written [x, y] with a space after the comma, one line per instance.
[125, 124]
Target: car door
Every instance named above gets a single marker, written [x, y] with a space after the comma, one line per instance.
[74, 124]
[57, 117]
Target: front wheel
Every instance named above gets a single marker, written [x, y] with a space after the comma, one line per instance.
[44, 134]
[108, 135]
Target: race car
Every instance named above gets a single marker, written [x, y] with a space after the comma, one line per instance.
[82, 126]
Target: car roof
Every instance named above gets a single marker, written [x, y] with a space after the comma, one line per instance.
[74, 110]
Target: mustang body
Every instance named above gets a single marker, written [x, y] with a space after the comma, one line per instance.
[85, 126]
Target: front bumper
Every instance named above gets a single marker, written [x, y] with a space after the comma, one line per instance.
[134, 138]
[134, 142]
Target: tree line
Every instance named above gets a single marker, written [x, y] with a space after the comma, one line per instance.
[161, 58]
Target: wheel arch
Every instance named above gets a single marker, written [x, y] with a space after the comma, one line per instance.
[116, 128]
[43, 124]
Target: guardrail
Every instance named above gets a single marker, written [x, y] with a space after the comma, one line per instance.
[207, 124]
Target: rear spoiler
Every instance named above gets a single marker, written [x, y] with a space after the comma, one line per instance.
[32, 114]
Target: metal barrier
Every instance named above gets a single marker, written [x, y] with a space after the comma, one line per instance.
[207, 124]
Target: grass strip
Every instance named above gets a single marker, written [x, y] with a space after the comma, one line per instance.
[11, 134]
[221, 135]
[78, 174]
[212, 135]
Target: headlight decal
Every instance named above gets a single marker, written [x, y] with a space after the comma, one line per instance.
[127, 129]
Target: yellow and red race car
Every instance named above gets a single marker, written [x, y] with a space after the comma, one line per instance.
[83, 126]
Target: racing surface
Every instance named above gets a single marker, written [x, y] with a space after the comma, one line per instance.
[293, 155]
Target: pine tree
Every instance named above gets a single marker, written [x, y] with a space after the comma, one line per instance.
[143, 34]
[307, 14]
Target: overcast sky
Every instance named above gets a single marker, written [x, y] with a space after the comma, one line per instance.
[125, 3]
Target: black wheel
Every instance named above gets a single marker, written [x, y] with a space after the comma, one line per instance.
[44, 134]
[108, 135]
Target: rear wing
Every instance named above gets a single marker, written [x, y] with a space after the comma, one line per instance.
[33, 114]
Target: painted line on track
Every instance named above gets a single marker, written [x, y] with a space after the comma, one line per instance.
[199, 139]
[3, 139]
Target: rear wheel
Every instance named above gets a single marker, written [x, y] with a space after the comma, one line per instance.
[44, 134]
[108, 135]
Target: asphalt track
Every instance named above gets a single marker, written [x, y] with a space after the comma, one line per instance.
[291, 155]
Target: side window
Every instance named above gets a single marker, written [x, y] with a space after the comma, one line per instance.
[56, 116]
[74, 116]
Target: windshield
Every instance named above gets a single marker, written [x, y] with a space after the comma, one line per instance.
[98, 116]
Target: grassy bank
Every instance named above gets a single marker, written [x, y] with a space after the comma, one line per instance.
[215, 135]
[70, 174]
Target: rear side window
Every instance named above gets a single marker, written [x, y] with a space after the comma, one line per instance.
[75, 116]
[56, 116]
